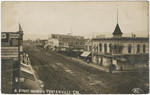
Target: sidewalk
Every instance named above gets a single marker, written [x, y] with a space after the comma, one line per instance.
[106, 69]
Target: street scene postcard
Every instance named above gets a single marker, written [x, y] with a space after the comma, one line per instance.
[74, 47]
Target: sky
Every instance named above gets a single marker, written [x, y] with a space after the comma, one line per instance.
[40, 19]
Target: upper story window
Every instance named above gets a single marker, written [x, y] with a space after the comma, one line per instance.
[138, 48]
[105, 47]
[5, 37]
[60, 43]
[114, 49]
[110, 47]
[129, 48]
[119, 49]
[96, 47]
[100, 47]
[144, 48]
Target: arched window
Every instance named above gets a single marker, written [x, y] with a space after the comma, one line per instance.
[97, 47]
[129, 48]
[144, 48]
[119, 49]
[138, 48]
[114, 49]
[110, 47]
[105, 47]
[100, 47]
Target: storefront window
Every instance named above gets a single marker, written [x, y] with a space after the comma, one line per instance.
[129, 49]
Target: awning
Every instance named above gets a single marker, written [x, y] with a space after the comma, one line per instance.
[85, 53]
[26, 73]
[25, 66]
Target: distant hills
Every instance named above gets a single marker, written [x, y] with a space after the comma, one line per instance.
[86, 35]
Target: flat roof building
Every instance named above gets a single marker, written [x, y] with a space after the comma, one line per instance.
[121, 51]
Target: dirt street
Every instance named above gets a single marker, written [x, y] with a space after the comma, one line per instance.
[59, 73]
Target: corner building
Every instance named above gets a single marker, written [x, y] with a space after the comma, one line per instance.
[125, 53]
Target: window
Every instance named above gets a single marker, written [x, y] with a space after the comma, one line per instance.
[5, 37]
[138, 48]
[105, 47]
[129, 48]
[96, 47]
[110, 47]
[144, 48]
[114, 49]
[100, 47]
[60, 43]
[119, 49]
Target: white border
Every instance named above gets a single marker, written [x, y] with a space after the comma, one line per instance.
[67, 1]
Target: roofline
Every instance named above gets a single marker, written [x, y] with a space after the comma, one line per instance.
[67, 35]
[117, 34]
[123, 38]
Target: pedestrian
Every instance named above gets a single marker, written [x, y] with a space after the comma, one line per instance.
[88, 61]
[110, 69]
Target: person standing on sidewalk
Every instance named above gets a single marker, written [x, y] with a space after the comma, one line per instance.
[110, 68]
[87, 61]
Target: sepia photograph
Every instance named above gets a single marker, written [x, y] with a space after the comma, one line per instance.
[74, 47]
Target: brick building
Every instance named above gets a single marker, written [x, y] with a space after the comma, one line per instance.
[125, 53]
[61, 42]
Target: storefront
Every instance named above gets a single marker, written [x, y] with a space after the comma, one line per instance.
[86, 56]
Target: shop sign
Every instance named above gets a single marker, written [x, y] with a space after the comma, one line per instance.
[14, 36]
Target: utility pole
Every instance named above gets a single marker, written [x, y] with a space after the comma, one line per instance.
[20, 32]
[18, 62]
[117, 13]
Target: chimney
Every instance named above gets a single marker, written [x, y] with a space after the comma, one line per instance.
[133, 35]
